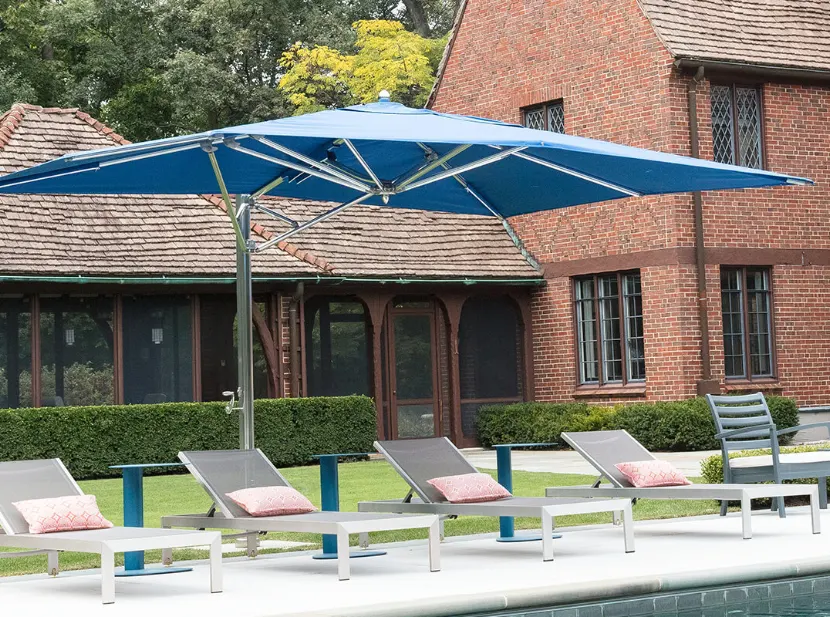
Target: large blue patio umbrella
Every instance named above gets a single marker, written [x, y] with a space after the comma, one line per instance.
[384, 154]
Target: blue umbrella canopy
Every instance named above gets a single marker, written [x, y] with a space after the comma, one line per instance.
[387, 153]
[380, 153]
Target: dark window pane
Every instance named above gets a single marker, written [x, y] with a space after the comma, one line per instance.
[15, 353]
[489, 343]
[76, 351]
[556, 117]
[586, 331]
[337, 344]
[413, 357]
[609, 313]
[635, 347]
[722, 124]
[158, 349]
[535, 118]
[749, 126]
[760, 320]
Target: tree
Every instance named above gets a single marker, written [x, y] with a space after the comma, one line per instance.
[387, 58]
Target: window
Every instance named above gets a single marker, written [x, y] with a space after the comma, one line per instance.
[337, 347]
[736, 125]
[746, 299]
[547, 117]
[15, 353]
[158, 349]
[489, 354]
[76, 347]
[609, 325]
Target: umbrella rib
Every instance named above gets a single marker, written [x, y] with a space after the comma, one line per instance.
[577, 174]
[47, 177]
[312, 163]
[440, 161]
[217, 171]
[334, 178]
[363, 163]
[150, 155]
[277, 215]
[466, 167]
[317, 219]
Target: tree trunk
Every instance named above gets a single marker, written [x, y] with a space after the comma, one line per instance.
[418, 14]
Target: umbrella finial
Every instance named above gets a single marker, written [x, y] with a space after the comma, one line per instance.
[383, 97]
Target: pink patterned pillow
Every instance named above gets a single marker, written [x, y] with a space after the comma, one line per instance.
[648, 474]
[73, 513]
[271, 501]
[469, 488]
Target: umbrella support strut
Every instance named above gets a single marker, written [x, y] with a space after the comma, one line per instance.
[244, 324]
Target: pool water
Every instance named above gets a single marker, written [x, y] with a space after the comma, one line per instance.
[797, 597]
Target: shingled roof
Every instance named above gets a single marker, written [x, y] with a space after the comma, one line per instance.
[129, 235]
[775, 33]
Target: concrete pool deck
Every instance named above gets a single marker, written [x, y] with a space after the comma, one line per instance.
[478, 574]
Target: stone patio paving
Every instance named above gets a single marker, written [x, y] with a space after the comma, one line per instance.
[478, 574]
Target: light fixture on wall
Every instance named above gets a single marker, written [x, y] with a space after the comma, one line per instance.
[69, 336]
[158, 335]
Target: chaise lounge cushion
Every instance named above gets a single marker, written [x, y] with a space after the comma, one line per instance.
[72, 513]
[469, 488]
[652, 473]
[271, 501]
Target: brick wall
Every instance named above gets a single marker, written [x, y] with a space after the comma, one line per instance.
[618, 83]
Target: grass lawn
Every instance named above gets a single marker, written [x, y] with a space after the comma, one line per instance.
[361, 481]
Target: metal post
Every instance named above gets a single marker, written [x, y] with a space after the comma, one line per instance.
[244, 325]
[133, 512]
[329, 497]
[505, 478]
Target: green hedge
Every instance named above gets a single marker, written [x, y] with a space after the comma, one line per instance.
[683, 426]
[89, 439]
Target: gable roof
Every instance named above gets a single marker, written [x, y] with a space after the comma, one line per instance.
[175, 235]
[774, 33]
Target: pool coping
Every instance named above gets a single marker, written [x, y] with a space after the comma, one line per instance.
[553, 598]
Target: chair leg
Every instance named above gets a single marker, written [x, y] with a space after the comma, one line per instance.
[435, 547]
[782, 512]
[363, 540]
[343, 565]
[216, 565]
[107, 575]
[547, 536]
[815, 514]
[822, 493]
[441, 534]
[724, 508]
[746, 516]
[52, 563]
[628, 527]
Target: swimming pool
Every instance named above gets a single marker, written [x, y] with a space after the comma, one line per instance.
[797, 597]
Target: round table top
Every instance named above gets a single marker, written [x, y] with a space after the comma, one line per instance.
[342, 454]
[523, 445]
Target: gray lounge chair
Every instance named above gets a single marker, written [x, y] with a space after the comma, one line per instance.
[420, 460]
[22, 480]
[604, 449]
[224, 471]
[745, 423]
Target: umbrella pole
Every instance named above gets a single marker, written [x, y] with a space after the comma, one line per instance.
[244, 321]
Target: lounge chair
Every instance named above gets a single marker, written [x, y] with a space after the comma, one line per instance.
[22, 480]
[224, 471]
[604, 449]
[745, 423]
[420, 460]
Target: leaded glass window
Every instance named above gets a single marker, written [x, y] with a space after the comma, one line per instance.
[547, 117]
[609, 323]
[736, 125]
[746, 299]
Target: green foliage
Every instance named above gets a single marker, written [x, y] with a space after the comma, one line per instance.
[682, 426]
[89, 439]
[387, 58]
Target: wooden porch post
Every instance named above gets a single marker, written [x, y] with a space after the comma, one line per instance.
[376, 305]
[453, 304]
[523, 301]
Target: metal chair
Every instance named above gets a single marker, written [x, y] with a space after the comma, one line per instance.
[745, 423]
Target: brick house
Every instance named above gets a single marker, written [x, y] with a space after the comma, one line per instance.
[130, 299]
[666, 297]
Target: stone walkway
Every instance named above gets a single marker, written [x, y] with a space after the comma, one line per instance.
[568, 461]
